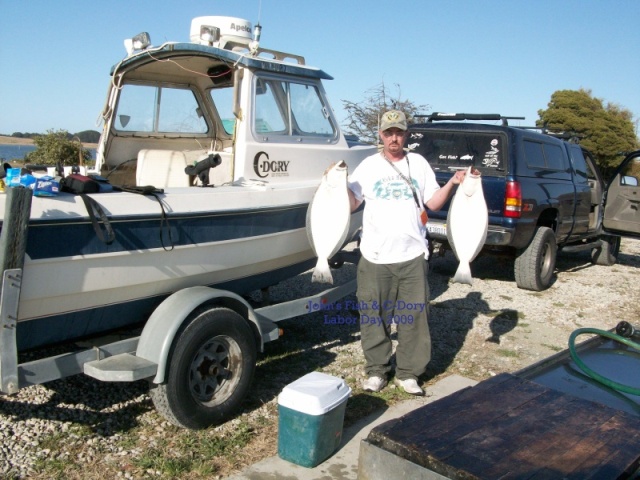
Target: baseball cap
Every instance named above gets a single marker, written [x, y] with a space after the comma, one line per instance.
[393, 119]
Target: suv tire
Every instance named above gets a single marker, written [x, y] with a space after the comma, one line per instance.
[534, 265]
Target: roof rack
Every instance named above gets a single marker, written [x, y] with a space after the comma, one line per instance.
[467, 116]
[571, 137]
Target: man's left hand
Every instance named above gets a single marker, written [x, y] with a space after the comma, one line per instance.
[458, 177]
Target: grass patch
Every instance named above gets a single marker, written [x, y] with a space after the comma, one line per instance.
[54, 468]
[159, 462]
[552, 347]
[209, 444]
[507, 353]
[57, 467]
[192, 452]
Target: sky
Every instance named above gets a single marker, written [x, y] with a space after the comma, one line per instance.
[472, 56]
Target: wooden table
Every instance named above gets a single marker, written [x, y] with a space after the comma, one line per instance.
[510, 428]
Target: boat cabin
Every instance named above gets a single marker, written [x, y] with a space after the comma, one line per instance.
[264, 113]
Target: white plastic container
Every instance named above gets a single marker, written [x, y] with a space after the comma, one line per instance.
[311, 417]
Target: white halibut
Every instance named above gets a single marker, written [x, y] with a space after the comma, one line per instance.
[467, 224]
[328, 219]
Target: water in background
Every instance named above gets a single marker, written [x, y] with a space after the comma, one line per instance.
[17, 152]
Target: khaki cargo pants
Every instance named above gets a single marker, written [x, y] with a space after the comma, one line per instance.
[394, 294]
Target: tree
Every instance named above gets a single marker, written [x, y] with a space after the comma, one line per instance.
[363, 118]
[56, 147]
[88, 136]
[604, 130]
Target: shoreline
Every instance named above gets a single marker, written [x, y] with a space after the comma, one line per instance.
[4, 140]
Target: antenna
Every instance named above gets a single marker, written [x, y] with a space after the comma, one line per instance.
[259, 11]
[254, 45]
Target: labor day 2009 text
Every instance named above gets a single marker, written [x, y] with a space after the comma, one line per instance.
[389, 312]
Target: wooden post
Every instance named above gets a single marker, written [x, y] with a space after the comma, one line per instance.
[13, 237]
[13, 243]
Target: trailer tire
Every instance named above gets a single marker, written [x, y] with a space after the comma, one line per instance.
[210, 369]
[607, 253]
[534, 265]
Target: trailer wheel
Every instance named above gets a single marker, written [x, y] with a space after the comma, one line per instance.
[607, 253]
[534, 265]
[210, 369]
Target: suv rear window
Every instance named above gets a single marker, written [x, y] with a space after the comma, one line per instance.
[446, 151]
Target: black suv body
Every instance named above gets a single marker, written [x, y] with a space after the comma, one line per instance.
[543, 193]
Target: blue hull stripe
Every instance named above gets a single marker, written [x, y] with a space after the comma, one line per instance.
[65, 238]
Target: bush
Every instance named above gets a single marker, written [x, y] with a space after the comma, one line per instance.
[55, 147]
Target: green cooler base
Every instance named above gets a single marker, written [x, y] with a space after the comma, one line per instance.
[308, 440]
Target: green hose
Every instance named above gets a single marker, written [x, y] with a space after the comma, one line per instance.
[605, 381]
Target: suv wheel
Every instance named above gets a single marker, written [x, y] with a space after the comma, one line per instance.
[535, 264]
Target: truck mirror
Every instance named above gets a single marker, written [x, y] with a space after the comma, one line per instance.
[629, 180]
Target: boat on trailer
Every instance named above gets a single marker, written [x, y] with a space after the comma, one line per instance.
[211, 151]
[239, 226]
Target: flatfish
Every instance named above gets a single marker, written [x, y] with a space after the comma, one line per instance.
[328, 219]
[467, 223]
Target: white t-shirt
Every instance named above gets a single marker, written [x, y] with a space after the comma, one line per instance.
[391, 228]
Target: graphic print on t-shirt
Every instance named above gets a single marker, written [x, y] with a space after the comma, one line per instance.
[393, 188]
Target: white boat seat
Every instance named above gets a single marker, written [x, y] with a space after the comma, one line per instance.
[162, 168]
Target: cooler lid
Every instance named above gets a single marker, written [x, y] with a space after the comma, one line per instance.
[314, 394]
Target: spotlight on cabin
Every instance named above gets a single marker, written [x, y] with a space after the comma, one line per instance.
[209, 34]
[137, 43]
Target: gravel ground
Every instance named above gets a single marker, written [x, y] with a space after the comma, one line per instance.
[82, 428]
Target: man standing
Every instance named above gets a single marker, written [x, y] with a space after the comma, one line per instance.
[392, 273]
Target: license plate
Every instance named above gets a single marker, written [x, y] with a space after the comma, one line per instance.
[437, 228]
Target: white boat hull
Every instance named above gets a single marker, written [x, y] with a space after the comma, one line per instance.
[255, 238]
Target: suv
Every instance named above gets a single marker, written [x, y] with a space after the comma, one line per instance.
[543, 193]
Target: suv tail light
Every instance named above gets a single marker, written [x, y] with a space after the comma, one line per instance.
[513, 200]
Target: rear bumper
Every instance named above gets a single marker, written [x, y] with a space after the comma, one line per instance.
[496, 235]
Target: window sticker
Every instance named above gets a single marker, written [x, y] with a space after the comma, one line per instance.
[491, 159]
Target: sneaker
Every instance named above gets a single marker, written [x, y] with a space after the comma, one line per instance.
[374, 384]
[409, 385]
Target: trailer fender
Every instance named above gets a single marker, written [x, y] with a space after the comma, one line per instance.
[160, 330]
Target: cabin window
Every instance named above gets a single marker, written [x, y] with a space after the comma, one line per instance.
[156, 109]
[223, 100]
[293, 110]
[271, 116]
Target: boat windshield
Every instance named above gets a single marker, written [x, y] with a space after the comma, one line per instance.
[158, 109]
